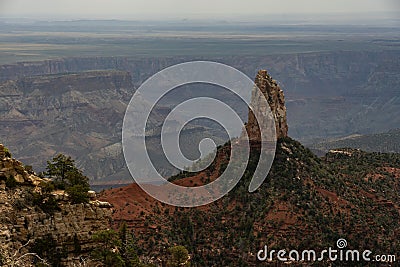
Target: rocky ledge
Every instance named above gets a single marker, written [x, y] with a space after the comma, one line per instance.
[25, 223]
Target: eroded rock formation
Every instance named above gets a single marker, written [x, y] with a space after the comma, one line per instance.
[276, 100]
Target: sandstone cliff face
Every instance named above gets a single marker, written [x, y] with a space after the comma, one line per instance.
[22, 221]
[276, 100]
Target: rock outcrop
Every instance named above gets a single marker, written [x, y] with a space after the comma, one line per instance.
[276, 100]
[24, 221]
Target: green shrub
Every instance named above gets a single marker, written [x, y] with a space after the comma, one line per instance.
[66, 176]
[46, 202]
[179, 256]
[47, 187]
[11, 182]
[78, 194]
[29, 169]
[7, 153]
[46, 247]
[77, 245]
[107, 240]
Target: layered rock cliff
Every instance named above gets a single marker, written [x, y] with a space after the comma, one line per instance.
[76, 114]
[66, 229]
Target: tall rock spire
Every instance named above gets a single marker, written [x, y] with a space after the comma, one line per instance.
[276, 99]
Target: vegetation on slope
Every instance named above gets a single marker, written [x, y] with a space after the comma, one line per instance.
[305, 203]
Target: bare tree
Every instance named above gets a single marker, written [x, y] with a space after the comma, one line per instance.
[18, 258]
[87, 262]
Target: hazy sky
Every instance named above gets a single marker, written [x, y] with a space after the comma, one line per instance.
[188, 8]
